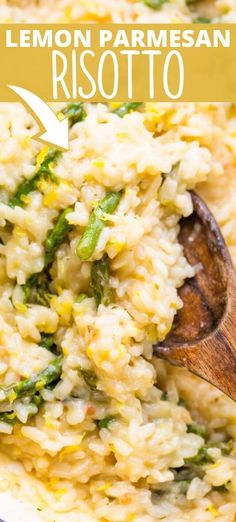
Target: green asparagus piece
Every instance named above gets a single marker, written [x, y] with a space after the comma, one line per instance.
[36, 289]
[56, 236]
[164, 396]
[198, 429]
[11, 417]
[27, 287]
[226, 447]
[96, 224]
[155, 4]
[126, 108]
[43, 171]
[48, 343]
[100, 275]
[202, 20]
[81, 298]
[202, 456]
[33, 384]
[182, 402]
[89, 377]
[104, 423]
[187, 472]
[183, 486]
[75, 113]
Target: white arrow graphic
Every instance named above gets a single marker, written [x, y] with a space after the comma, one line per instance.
[52, 130]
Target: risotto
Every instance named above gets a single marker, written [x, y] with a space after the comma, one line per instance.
[92, 427]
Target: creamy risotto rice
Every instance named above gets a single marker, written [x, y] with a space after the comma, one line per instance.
[92, 428]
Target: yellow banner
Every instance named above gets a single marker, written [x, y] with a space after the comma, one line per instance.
[114, 62]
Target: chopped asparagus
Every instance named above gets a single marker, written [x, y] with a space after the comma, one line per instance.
[43, 171]
[198, 429]
[202, 456]
[126, 108]
[100, 275]
[48, 342]
[96, 224]
[104, 423]
[56, 236]
[183, 486]
[182, 402]
[155, 4]
[187, 472]
[33, 384]
[81, 298]
[36, 289]
[164, 396]
[75, 113]
[226, 447]
[202, 20]
[89, 377]
[11, 417]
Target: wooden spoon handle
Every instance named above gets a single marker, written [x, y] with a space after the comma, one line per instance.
[212, 358]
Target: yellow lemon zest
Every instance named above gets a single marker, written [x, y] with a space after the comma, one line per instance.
[12, 396]
[215, 465]
[41, 156]
[18, 231]
[213, 511]
[121, 135]
[154, 113]
[99, 162]
[20, 307]
[60, 116]
[26, 199]
[121, 351]
[26, 142]
[65, 351]
[50, 197]
[151, 333]
[40, 384]
[89, 351]
[70, 449]
[68, 13]
[139, 276]
[120, 406]
[53, 482]
[58, 288]
[59, 492]
[131, 517]
[42, 185]
[115, 105]
[117, 245]
[50, 424]
[104, 487]
[65, 307]
[176, 20]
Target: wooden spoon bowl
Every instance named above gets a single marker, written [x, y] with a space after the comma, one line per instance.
[203, 336]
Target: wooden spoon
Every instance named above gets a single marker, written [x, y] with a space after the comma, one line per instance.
[203, 336]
